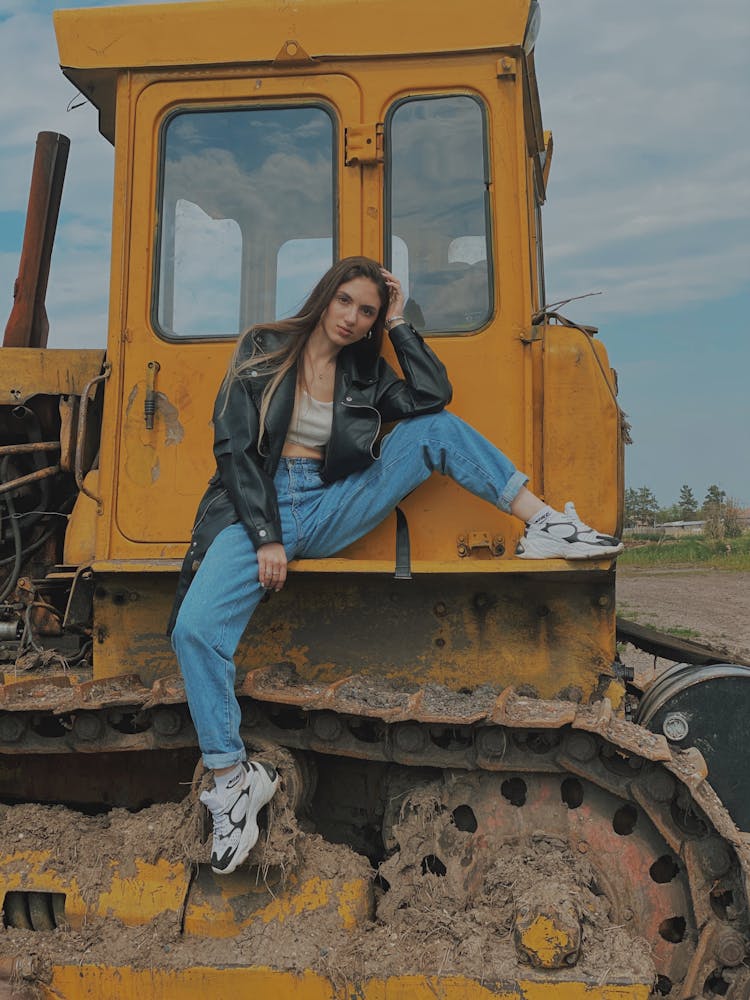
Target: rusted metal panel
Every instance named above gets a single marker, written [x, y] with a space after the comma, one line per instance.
[32, 371]
[541, 634]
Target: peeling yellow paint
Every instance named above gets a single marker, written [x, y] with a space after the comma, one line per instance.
[174, 432]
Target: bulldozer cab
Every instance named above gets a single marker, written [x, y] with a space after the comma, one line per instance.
[244, 170]
[251, 150]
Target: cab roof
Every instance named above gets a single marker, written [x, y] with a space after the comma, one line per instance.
[96, 44]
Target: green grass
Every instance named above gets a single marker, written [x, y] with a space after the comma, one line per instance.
[731, 553]
[683, 633]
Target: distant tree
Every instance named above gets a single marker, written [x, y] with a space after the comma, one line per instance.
[641, 506]
[714, 512]
[687, 504]
[631, 505]
[715, 497]
[648, 505]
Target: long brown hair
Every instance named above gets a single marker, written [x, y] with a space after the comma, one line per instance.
[297, 329]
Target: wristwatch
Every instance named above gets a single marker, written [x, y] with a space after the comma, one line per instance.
[394, 321]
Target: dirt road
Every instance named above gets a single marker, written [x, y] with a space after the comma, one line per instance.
[710, 606]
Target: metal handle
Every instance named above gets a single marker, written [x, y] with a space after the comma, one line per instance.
[149, 406]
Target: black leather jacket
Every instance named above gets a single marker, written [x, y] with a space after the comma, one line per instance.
[367, 393]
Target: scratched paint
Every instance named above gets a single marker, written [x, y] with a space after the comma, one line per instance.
[174, 432]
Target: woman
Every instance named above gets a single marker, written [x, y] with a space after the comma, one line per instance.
[296, 423]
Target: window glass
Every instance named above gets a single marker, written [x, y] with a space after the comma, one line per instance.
[246, 218]
[438, 212]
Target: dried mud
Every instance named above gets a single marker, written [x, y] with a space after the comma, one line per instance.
[419, 921]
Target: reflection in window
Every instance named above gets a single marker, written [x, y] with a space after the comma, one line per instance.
[246, 218]
[438, 212]
[207, 254]
[299, 265]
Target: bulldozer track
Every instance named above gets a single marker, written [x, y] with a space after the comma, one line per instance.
[515, 741]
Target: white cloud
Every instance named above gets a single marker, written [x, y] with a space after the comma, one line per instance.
[647, 102]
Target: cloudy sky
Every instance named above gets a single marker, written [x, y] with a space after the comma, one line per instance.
[649, 205]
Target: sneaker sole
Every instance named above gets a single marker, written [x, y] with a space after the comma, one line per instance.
[576, 551]
[264, 789]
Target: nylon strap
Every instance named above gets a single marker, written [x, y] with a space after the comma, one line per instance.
[403, 547]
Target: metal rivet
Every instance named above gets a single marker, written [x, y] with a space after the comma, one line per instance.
[11, 728]
[87, 726]
[730, 948]
[327, 727]
[660, 785]
[714, 857]
[409, 738]
[491, 741]
[580, 746]
[167, 721]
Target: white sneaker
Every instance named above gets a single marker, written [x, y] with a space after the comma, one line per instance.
[565, 536]
[235, 813]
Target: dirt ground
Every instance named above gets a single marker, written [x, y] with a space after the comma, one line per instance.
[709, 606]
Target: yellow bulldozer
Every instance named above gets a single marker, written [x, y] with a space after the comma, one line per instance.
[477, 800]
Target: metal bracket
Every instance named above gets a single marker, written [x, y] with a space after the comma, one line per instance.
[506, 68]
[363, 144]
[534, 333]
[290, 53]
[470, 542]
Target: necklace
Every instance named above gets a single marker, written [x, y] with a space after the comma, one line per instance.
[321, 373]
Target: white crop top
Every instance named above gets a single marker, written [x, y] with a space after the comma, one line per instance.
[310, 426]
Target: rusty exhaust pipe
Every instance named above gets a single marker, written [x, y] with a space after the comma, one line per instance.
[28, 325]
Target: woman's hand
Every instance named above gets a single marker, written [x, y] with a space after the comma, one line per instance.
[396, 300]
[272, 566]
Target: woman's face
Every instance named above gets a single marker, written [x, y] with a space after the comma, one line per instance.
[350, 314]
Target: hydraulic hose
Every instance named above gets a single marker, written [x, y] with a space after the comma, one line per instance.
[12, 580]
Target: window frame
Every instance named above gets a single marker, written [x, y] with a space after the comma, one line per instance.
[487, 179]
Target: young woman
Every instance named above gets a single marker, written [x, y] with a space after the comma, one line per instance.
[299, 474]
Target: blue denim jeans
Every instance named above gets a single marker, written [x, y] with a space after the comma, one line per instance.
[317, 520]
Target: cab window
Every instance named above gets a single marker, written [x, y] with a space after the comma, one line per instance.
[246, 223]
[437, 211]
